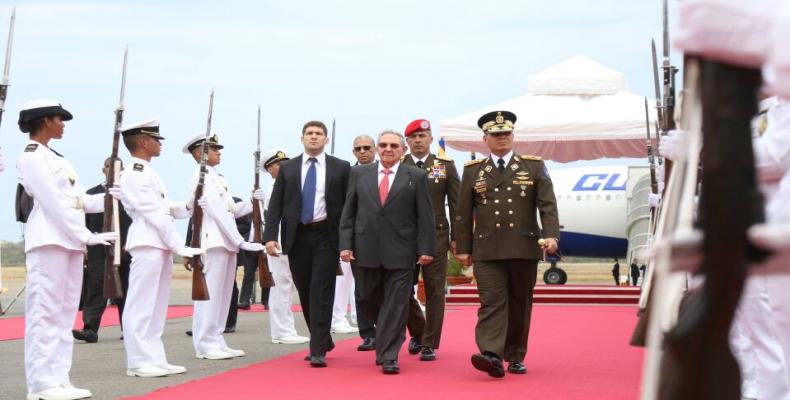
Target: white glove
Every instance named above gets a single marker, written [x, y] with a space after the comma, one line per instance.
[258, 194]
[2, 164]
[775, 237]
[189, 251]
[203, 203]
[654, 199]
[251, 246]
[668, 145]
[103, 238]
[733, 31]
[115, 191]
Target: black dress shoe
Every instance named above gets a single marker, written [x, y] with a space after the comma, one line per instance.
[189, 333]
[517, 368]
[317, 361]
[488, 363]
[85, 334]
[379, 362]
[414, 346]
[307, 357]
[244, 306]
[331, 347]
[390, 368]
[230, 329]
[427, 354]
[368, 344]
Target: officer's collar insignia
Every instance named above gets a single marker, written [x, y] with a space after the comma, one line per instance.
[514, 166]
[138, 167]
[31, 147]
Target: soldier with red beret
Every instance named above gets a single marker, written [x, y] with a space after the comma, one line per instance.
[443, 183]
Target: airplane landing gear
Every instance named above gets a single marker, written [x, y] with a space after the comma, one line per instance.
[554, 275]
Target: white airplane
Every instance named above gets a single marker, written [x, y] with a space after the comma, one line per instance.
[593, 205]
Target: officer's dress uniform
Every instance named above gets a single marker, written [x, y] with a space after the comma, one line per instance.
[55, 243]
[221, 239]
[151, 241]
[497, 224]
[443, 183]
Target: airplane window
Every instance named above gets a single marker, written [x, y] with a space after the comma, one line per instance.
[608, 197]
[588, 197]
[598, 197]
[578, 198]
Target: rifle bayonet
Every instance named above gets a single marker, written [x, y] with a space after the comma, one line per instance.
[7, 64]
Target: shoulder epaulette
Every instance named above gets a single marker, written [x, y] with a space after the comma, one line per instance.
[444, 158]
[31, 147]
[533, 158]
[473, 162]
[138, 167]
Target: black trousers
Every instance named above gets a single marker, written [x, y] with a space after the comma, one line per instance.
[234, 306]
[367, 327]
[250, 269]
[314, 261]
[385, 293]
[93, 301]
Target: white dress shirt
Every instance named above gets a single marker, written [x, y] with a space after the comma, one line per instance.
[424, 159]
[393, 171]
[506, 157]
[319, 209]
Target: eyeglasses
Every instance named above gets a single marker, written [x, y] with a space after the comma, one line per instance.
[390, 145]
[360, 149]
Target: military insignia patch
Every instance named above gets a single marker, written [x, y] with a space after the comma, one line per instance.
[31, 147]
[137, 167]
[488, 168]
[514, 167]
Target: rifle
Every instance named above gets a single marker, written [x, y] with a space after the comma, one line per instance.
[112, 253]
[332, 146]
[698, 362]
[199, 286]
[668, 99]
[339, 270]
[650, 158]
[7, 65]
[264, 275]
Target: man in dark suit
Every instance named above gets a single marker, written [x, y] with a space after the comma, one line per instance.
[93, 301]
[305, 207]
[387, 226]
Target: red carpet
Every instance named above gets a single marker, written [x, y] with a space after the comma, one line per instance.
[575, 353]
[13, 328]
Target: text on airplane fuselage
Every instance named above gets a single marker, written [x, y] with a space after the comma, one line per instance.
[603, 182]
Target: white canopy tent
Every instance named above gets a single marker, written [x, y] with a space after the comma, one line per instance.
[575, 110]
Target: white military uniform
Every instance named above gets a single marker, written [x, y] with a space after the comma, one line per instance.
[221, 239]
[151, 241]
[55, 239]
[758, 333]
[344, 295]
[281, 317]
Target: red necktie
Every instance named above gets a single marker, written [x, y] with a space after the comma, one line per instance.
[384, 186]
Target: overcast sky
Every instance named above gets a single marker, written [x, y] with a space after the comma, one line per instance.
[371, 65]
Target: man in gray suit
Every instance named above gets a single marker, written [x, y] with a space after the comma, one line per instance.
[387, 225]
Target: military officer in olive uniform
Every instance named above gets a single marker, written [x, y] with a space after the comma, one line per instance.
[443, 183]
[497, 226]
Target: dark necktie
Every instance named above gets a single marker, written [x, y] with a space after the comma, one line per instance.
[308, 193]
[500, 165]
[420, 164]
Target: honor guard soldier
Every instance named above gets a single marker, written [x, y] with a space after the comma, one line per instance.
[443, 184]
[496, 226]
[152, 240]
[281, 319]
[55, 243]
[222, 241]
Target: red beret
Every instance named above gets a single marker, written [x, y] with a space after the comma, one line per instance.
[416, 126]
